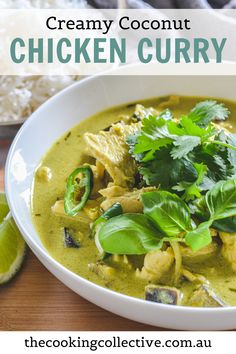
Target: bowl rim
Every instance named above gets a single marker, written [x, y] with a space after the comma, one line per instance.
[37, 249]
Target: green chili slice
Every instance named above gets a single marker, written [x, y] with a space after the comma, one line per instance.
[114, 210]
[78, 190]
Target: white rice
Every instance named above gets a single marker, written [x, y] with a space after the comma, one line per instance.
[21, 95]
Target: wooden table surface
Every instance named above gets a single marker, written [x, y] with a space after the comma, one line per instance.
[36, 300]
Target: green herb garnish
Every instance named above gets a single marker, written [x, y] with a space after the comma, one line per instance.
[114, 210]
[129, 234]
[166, 218]
[187, 156]
[192, 157]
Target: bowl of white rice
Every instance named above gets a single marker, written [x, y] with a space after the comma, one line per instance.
[20, 96]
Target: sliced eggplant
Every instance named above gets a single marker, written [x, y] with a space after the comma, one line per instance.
[69, 239]
[163, 294]
[204, 296]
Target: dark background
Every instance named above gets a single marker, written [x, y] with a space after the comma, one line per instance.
[161, 4]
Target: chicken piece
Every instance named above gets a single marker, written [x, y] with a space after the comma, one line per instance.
[193, 278]
[213, 232]
[113, 191]
[124, 130]
[204, 296]
[172, 100]
[163, 294]
[102, 270]
[129, 200]
[191, 257]
[143, 112]
[111, 150]
[229, 248]
[98, 180]
[58, 210]
[44, 174]
[92, 209]
[100, 170]
[122, 259]
[156, 265]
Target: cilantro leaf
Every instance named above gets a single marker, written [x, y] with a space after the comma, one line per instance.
[166, 171]
[207, 183]
[192, 190]
[187, 127]
[189, 155]
[205, 112]
[183, 145]
[154, 134]
[214, 159]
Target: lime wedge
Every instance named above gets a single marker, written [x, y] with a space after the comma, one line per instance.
[12, 245]
[4, 209]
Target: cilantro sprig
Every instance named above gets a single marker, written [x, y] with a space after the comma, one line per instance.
[186, 155]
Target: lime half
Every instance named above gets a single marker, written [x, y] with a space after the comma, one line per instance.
[12, 245]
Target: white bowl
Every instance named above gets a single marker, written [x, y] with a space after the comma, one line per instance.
[54, 118]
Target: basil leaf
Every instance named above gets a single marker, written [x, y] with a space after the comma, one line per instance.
[199, 208]
[225, 225]
[221, 200]
[129, 234]
[199, 237]
[167, 211]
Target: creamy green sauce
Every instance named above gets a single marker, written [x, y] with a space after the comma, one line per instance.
[67, 154]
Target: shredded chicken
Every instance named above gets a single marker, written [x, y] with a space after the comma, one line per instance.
[193, 278]
[98, 180]
[111, 150]
[129, 200]
[59, 210]
[191, 257]
[204, 296]
[229, 248]
[143, 112]
[156, 265]
[102, 270]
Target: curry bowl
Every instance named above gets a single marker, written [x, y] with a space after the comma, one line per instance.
[53, 120]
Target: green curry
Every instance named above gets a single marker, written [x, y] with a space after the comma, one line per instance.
[165, 178]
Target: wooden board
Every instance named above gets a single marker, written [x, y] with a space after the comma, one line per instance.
[36, 300]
